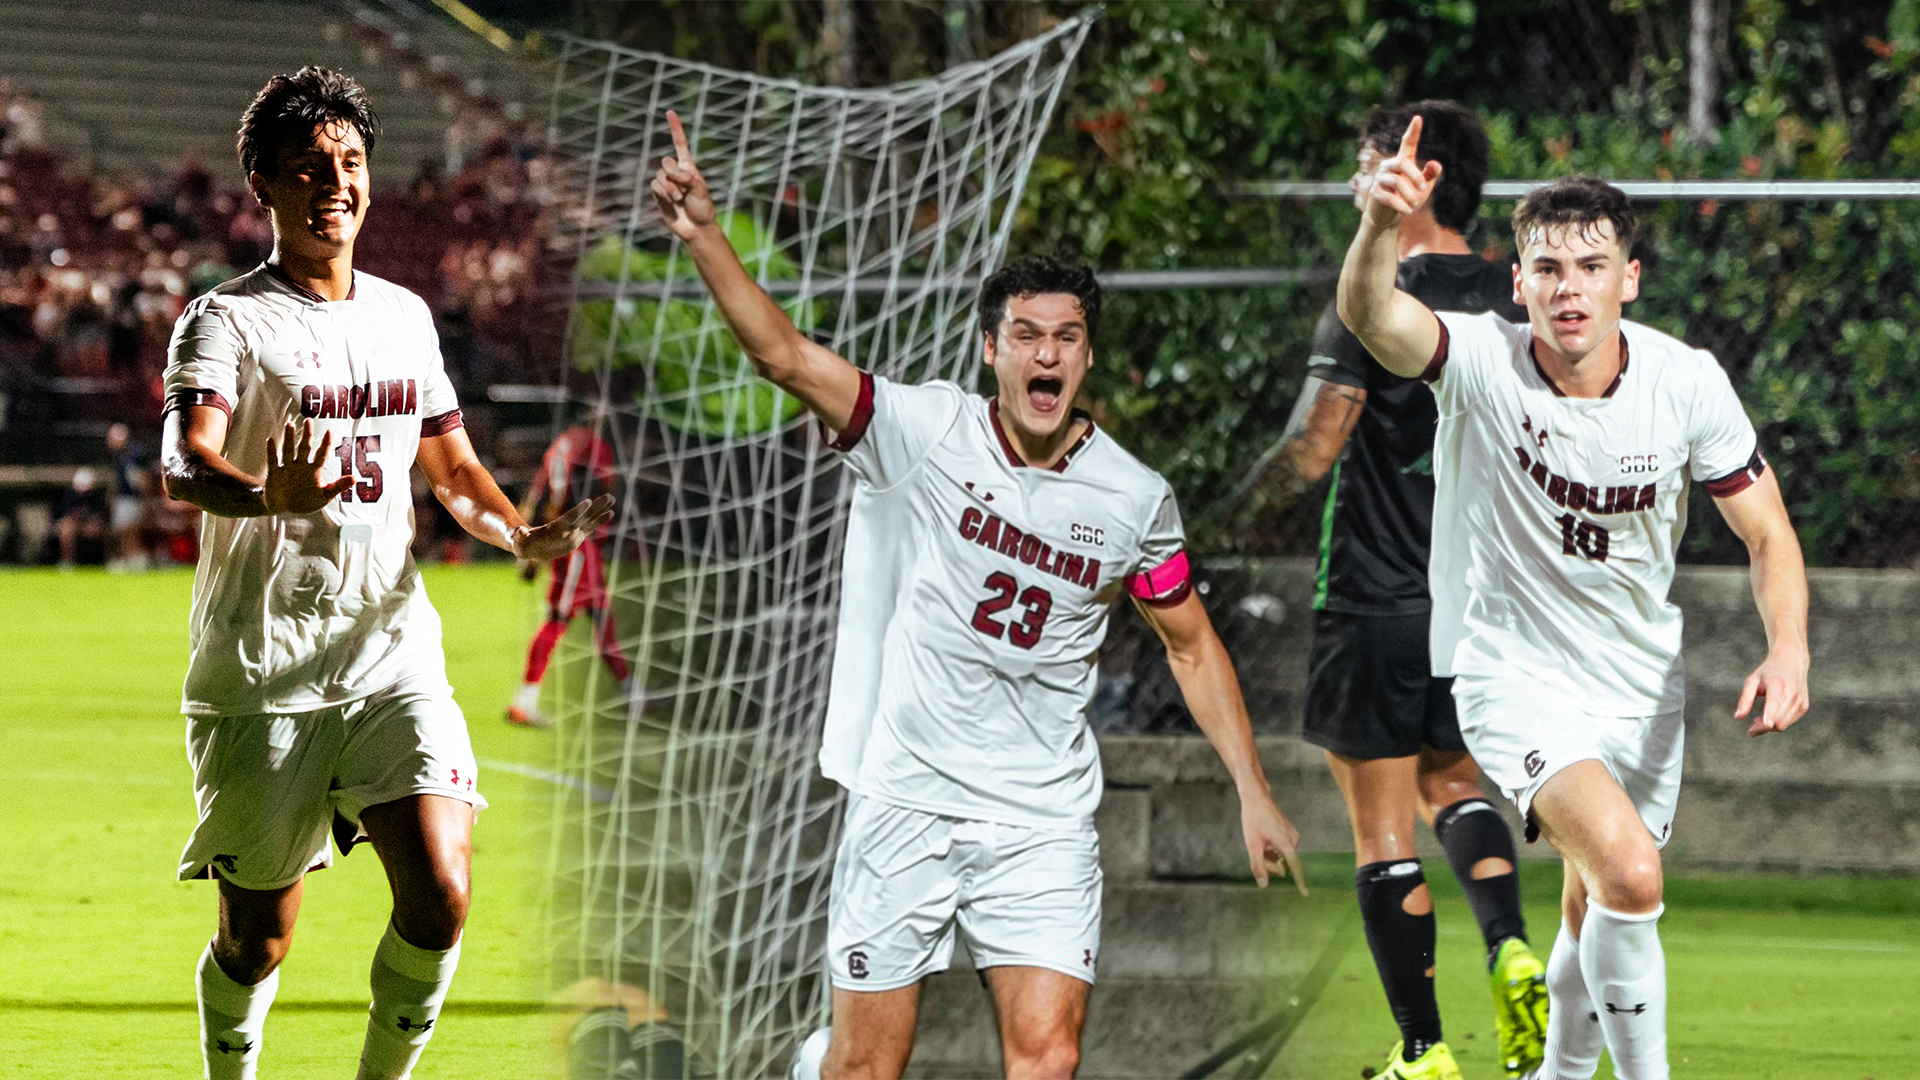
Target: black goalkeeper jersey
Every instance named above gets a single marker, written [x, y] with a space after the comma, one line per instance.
[1379, 511]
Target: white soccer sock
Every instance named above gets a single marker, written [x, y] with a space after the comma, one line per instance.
[232, 1017]
[527, 697]
[807, 1061]
[1573, 1031]
[1626, 976]
[409, 983]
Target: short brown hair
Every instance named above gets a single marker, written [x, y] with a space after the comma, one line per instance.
[1580, 202]
[290, 107]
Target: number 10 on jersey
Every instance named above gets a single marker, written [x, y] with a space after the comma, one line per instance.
[1579, 537]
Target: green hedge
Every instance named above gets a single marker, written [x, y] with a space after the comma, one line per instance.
[1810, 307]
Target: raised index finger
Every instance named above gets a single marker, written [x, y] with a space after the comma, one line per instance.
[1410, 142]
[680, 148]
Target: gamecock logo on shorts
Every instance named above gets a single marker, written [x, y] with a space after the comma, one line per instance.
[1534, 763]
[857, 964]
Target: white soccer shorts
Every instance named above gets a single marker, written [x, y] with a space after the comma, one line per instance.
[1522, 733]
[906, 880]
[268, 786]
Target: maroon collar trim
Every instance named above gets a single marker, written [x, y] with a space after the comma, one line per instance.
[280, 275]
[1013, 456]
[1533, 346]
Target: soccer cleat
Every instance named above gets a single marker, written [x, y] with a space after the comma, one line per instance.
[806, 1062]
[527, 718]
[1436, 1064]
[1519, 1007]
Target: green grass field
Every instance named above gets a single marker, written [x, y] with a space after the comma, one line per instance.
[1771, 977]
[99, 941]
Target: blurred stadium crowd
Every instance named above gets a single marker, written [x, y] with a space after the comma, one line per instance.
[94, 269]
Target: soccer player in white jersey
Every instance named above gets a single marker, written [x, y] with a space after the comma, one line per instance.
[1562, 461]
[987, 542]
[317, 691]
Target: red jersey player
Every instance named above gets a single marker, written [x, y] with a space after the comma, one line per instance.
[578, 461]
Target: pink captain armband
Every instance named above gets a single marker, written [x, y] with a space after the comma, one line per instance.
[1164, 585]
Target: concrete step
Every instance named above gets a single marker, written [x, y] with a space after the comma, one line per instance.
[1796, 806]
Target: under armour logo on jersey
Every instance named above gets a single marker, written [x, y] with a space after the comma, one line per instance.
[1087, 957]
[984, 495]
[226, 862]
[414, 1025]
[226, 1047]
[457, 782]
[306, 358]
[1539, 437]
[1631, 1010]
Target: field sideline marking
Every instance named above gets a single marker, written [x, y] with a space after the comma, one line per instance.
[1827, 944]
[92, 778]
[594, 791]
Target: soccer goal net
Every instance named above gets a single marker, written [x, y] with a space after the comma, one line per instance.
[693, 841]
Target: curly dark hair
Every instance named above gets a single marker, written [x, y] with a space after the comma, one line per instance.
[1451, 134]
[287, 110]
[1580, 202]
[1032, 275]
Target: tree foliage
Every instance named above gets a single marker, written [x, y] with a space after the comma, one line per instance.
[1810, 306]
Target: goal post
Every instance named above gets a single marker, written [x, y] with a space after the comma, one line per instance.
[690, 855]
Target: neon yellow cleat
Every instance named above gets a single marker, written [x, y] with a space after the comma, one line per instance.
[1519, 1006]
[1436, 1064]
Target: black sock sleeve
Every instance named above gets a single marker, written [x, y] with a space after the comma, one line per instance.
[1402, 947]
[1472, 830]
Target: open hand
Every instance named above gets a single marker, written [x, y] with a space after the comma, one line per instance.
[1402, 185]
[292, 485]
[1779, 687]
[678, 188]
[557, 538]
[1272, 841]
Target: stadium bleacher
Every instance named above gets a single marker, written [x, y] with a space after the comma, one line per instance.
[120, 199]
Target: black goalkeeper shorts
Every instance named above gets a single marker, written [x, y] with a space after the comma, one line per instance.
[1370, 693]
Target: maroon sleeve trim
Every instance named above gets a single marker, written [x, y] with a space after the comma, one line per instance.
[1740, 479]
[440, 425]
[1439, 353]
[192, 396]
[856, 428]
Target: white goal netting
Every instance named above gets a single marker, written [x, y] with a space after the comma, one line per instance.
[694, 836]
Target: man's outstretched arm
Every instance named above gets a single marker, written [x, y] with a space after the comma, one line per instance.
[1400, 331]
[1758, 517]
[1212, 692]
[467, 490]
[822, 379]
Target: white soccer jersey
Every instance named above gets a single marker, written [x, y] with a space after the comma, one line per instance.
[1556, 519]
[975, 595]
[294, 612]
